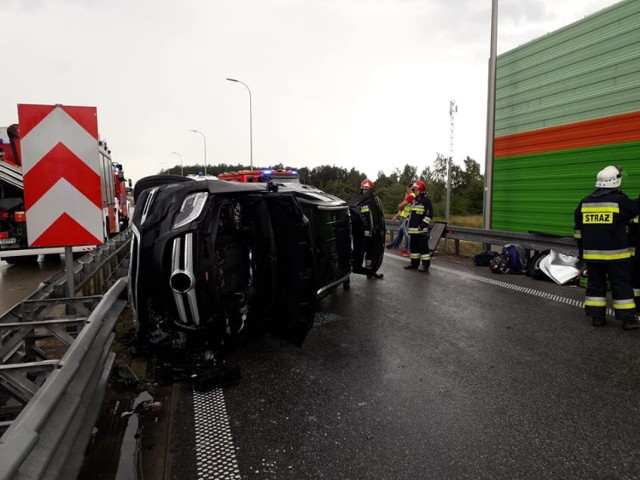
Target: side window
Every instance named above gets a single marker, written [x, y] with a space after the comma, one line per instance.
[106, 180]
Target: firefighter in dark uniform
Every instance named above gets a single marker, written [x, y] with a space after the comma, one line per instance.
[602, 231]
[420, 216]
[635, 242]
[370, 209]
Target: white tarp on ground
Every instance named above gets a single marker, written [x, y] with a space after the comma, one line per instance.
[559, 267]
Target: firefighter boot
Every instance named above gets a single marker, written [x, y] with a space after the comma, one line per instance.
[410, 266]
[631, 324]
[598, 321]
[423, 268]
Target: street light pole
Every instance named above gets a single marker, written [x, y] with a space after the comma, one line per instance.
[250, 120]
[205, 150]
[181, 164]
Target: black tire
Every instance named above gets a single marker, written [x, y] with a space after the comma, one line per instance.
[533, 266]
[154, 181]
[21, 260]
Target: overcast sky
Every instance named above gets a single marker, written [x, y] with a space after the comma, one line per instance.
[352, 83]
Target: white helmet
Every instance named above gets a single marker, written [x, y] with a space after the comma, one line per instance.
[610, 177]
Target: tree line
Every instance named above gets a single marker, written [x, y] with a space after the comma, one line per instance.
[467, 183]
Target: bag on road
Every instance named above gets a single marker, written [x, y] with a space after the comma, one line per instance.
[517, 258]
[482, 259]
[511, 260]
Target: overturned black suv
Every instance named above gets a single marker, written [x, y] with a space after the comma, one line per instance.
[213, 261]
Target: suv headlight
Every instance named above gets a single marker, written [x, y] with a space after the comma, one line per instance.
[191, 209]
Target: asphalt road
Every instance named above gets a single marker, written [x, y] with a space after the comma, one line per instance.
[454, 374]
[19, 281]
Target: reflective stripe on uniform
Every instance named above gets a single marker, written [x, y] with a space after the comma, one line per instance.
[595, 301]
[577, 234]
[599, 213]
[415, 256]
[427, 220]
[418, 208]
[607, 254]
[626, 304]
[413, 230]
[367, 233]
[364, 209]
[603, 207]
[636, 292]
[425, 257]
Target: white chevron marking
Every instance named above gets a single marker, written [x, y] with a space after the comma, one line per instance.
[49, 207]
[58, 127]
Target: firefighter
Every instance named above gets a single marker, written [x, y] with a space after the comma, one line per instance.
[420, 215]
[602, 232]
[635, 242]
[370, 209]
[404, 207]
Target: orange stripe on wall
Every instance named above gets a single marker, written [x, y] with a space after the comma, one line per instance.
[590, 133]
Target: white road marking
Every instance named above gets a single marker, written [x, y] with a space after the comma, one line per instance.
[511, 286]
[215, 452]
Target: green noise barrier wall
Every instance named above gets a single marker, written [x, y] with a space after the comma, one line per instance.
[567, 105]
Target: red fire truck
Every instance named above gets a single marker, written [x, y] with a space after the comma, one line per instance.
[261, 176]
[13, 220]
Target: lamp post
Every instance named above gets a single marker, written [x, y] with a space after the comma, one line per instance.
[205, 150]
[250, 120]
[181, 164]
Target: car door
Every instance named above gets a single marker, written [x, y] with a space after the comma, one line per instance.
[367, 216]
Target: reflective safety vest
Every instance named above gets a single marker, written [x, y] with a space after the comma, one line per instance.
[407, 208]
[420, 215]
[602, 225]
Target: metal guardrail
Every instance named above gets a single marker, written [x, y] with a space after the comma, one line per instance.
[49, 437]
[94, 270]
[529, 241]
[54, 363]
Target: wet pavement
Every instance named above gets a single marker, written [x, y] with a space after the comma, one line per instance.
[456, 374]
[134, 419]
[19, 281]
